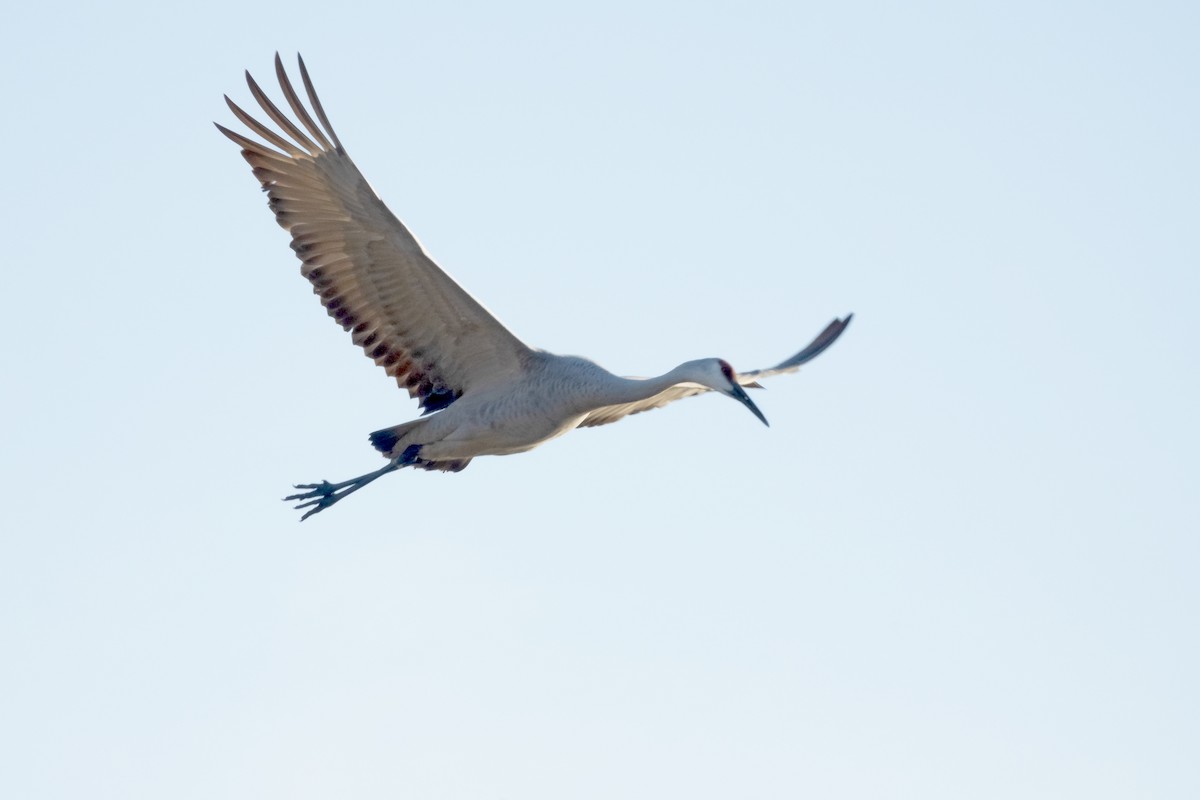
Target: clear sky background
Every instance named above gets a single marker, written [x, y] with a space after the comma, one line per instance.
[962, 562]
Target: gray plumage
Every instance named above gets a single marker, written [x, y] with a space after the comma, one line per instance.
[482, 390]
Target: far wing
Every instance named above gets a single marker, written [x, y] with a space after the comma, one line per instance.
[817, 346]
[372, 275]
[607, 414]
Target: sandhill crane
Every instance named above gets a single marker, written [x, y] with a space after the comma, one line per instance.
[492, 394]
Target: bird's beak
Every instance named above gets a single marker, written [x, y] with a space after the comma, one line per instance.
[738, 393]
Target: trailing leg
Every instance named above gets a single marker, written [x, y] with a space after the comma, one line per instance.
[324, 494]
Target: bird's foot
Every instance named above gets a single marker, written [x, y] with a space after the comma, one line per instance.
[320, 495]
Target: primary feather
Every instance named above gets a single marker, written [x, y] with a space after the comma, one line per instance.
[371, 274]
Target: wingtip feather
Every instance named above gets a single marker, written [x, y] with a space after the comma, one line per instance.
[316, 104]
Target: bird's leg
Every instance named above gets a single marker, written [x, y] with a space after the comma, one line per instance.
[324, 494]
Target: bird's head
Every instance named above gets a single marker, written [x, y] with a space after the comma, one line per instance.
[716, 374]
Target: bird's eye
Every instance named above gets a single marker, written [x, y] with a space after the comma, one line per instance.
[726, 370]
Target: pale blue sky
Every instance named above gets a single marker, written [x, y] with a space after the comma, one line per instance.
[961, 562]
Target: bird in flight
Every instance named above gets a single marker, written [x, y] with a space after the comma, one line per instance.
[482, 390]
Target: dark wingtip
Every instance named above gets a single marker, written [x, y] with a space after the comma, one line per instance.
[824, 339]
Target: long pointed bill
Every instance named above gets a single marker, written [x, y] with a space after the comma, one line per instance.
[738, 393]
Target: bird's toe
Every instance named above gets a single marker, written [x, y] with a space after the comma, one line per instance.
[316, 490]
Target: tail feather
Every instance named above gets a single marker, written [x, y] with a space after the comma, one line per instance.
[391, 442]
[386, 440]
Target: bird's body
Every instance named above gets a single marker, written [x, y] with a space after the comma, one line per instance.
[484, 391]
[549, 399]
[553, 395]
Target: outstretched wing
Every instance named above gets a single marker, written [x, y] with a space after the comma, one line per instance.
[817, 346]
[371, 274]
[607, 414]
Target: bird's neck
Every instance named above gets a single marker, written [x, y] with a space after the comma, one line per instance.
[632, 390]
